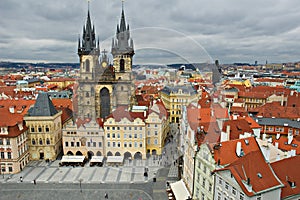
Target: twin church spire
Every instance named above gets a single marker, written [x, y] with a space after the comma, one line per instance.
[121, 44]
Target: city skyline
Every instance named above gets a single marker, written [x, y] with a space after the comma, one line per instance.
[163, 32]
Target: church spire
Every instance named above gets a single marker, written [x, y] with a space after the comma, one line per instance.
[89, 43]
[123, 43]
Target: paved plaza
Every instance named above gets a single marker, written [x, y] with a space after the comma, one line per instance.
[120, 182]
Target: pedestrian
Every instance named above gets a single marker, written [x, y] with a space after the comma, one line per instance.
[106, 196]
[34, 182]
[21, 179]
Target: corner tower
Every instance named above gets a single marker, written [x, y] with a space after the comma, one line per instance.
[123, 51]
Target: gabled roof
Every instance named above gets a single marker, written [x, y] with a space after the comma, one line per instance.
[122, 112]
[237, 127]
[259, 174]
[288, 177]
[43, 106]
[225, 152]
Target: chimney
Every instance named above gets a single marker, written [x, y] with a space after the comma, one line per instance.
[234, 116]
[276, 145]
[145, 113]
[238, 149]
[12, 109]
[290, 138]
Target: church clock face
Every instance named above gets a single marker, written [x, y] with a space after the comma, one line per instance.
[104, 64]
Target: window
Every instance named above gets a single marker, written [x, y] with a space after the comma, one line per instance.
[141, 144]
[135, 135]
[258, 197]
[119, 145]
[72, 144]
[130, 145]
[118, 135]
[210, 187]
[220, 181]
[47, 129]
[88, 144]
[78, 144]
[9, 155]
[125, 144]
[130, 136]
[66, 144]
[202, 196]
[100, 144]
[148, 141]
[155, 132]
[242, 196]
[155, 141]
[135, 128]
[113, 128]
[226, 186]
[33, 141]
[148, 132]
[114, 144]
[47, 141]
[135, 144]
[41, 141]
[40, 129]
[204, 169]
[203, 182]
[125, 136]
[219, 196]
[108, 135]
[113, 135]
[233, 191]
[108, 144]
[8, 141]
[141, 128]
[141, 136]
[2, 155]
[10, 169]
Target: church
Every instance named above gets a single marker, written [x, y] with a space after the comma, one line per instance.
[107, 120]
[104, 86]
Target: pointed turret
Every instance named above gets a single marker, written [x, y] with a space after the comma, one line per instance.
[122, 45]
[88, 38]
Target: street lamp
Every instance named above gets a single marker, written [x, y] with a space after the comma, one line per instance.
[80, 180]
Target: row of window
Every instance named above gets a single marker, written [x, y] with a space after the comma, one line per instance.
[230, 189]
[113, 135]
[124, 128]
[78, 144]
[4, 141]
[281, 129]
[40, 141]
[40, 129]
[5, 155]
[118, 144]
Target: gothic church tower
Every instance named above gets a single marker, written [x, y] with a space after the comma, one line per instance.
[123, 51]
[88, 52]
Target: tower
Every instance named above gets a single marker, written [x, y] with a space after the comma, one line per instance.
[88, 52]
[123, 51]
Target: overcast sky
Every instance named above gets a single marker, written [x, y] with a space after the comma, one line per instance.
[164, 31]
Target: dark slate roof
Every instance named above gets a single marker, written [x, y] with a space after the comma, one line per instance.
[186, 89]
[43, 106]
[278, 122]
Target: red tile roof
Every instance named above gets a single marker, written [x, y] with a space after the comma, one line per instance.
[259, 173]
[237, 127]
[122, 112]
[287, 177]
[225, 153]
[274, 109]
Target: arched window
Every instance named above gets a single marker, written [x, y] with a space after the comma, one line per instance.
[47, 128]
[41, 141]
[87, 65]
[33, 141]
[122, 65]
[47, 141]
[87, 94]
[92, 91]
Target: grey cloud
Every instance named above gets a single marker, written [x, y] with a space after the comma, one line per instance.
[230, 30]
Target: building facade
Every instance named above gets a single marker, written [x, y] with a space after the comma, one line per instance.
[44, 129]
[102, 86]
